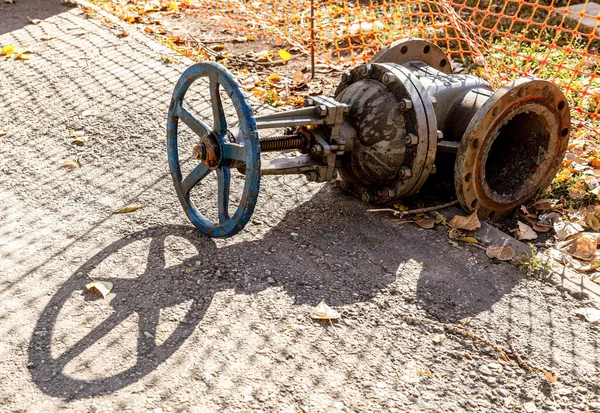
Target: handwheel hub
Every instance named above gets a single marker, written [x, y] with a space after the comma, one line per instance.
[208, 151]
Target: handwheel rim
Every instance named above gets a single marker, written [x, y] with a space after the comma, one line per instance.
[250, 153]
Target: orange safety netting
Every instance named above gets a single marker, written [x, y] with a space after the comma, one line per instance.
[554, 40]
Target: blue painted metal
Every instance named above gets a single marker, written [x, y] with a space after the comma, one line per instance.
[248, 150]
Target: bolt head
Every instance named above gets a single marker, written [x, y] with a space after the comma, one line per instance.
[405, 172]
[346, 77]
[365, 70]
[411, 139]
[365, 197]
[405, 104]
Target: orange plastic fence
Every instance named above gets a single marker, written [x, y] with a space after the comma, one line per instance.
[499, 39]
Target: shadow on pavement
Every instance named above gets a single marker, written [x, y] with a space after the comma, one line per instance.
[334, 253]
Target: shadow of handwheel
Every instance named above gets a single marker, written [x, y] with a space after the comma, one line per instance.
[131, 296]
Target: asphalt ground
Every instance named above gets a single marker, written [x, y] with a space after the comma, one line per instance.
[194, 324]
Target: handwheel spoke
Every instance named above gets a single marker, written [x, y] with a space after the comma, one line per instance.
[200, 128]
[217, 107]
[224, 178]
[193, 178]
[234, 151]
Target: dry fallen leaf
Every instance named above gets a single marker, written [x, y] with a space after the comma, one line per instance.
[298, 79]
[500, 252]
[582, 247]
[465, 321]
[123, 34]
[551, 378]
[101, 288]
[589, 314]
[7, 50]
[525, 232]
[129, 208]
[33, 21]
[46, 38]
[284, 54]
[541, 228]
[566, 229]
[71, 164]
[470, 223]
[470, 240]
[2, 133]
[323, 312]
[425, 222]
[274, 77]
[25, 55]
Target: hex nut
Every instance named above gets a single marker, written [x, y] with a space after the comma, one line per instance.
[405, 104]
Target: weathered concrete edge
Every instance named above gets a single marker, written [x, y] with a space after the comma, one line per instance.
[564, 278]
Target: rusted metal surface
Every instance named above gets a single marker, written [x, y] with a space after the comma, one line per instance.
[512, 147]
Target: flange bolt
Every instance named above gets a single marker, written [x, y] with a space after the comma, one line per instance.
[411, 139]
[405, 104]
[388, 78]
[366, 197]
[365, 70]
[405, 172]
[346, 77]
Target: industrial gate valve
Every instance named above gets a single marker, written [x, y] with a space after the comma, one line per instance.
[382, 131]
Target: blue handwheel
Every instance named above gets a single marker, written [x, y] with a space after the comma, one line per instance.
[216, 150]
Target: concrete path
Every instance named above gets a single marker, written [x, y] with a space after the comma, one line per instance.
[194, 324]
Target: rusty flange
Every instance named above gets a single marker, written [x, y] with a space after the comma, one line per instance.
[512, 147]
[413, 49]
[396, 131]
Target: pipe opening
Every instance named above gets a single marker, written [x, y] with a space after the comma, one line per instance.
[516, 153]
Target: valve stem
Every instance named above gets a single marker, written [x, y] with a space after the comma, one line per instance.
[283, 143]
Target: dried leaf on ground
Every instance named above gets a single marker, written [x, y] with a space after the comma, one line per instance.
[582, 247]
[469, 223]
[592, 222]
[274, 77]
[33, 21]
[590, 314]
[284, 54]
[465, 321]
[46, 38]
[2, 133]
[100, 288]
[500, 252]
[24, 55]
[122, 34]
[71, 164]
[525, 232]
[470, 240]
[7, 50]
[541, 228]
[425, 222]
[550, 378]
[323, 312]
[129, 208]
[566, 229]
